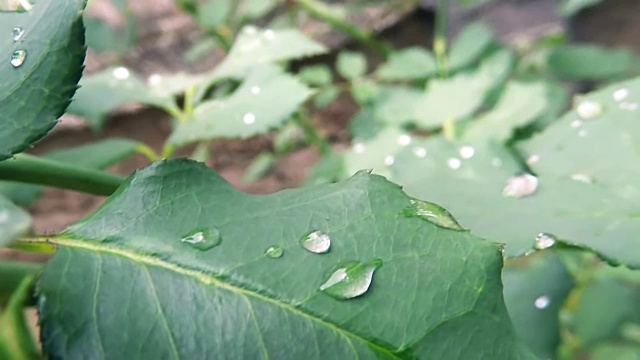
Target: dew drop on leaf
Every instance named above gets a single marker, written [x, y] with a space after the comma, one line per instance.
[18, 57]
[588, 109]
[582, 177]
[269, 34]
[256, 90]
[4, 216]
[250, 30]
[496, 162]
[404, 140]
[17, 33]
[202, 239]
[520, 186]
[620, 94]
[583, 133]
[316, 242]
[274, 251]
[359, 148]
[121, 73]
[576, 123]
[533, 159]
[433, 213]
[350, 280]
[467, 152]
[542, 302]
[154, 80]
[454, 163]
[544, 241]
[389, 160]
[420, 152]
[628, 106]
[249, 118]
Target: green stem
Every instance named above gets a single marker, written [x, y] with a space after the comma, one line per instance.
[148, 152]
[311, 134]
[36, 170]
[440, 39]
[12, 273]
[323, 12]
[224, 40]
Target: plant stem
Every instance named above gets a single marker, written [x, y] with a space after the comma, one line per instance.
[311, 134]
[148, 152]
[325, 13]
[440, 39]
[36, 170]
[12, 273]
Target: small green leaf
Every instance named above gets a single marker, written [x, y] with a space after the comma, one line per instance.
[364, 91]
[213, 13]
[252, 9]
[259, 167]
[16, 340]
[19, 193]
[102, 37]
[396, 105]
[408, 64]
[97, 155]
[265, 100]
[38, 84]
[316, 75]
[255, 46]
[472, 42]
[14, 221]
[326, 96]
[351, 65]
[590, 62]
[237, 295]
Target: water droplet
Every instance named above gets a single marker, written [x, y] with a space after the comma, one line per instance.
[350, 280]
[389, 160]
[589, 109]
[454, 163]
[4, 216]
[249, 118]
[544, 241]
[269, 34]
[154, 80]
[496, 162]
[202, 239]
[250, 30]
[121, 73]
[467, 152]
[520, 186]
[404, 139]
[17, 33]
[620, 94]
[433, 213]
[533, 159]
[256, 90]
[542, 302]
[583, 133]
[628, 106]
[359, 148]
[316, 242]
[274, 251]
[582, 177]
[18, 57]
[576, 123]
[420, 152]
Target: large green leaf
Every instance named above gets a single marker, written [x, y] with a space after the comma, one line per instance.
[46, 48]
[14, 221]
[351, 64]
[590, 62]
[192, 268]
[16, 340]
[264, 101]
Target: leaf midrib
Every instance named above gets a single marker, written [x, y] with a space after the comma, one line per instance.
[211, 279]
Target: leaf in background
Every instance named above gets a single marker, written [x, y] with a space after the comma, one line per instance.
[519, 105]
[259, 167]
[254, 46]
[396, 105]
[364, 91]
[16, 340]
[20, 193]
[316, 75]
[134, 263]
[253, 9]
[407, 64]
[535, 289]
[472, 42]
[264, 101]
[14, 221]
[102, 37]
[590, 62]
[351, 65]
[41, 77]
[458, 97]
[572, 7]
[326, 96]
[365, 124]
[213, 13]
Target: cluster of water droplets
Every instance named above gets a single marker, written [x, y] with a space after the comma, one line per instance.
[621, 97]
[19, 56]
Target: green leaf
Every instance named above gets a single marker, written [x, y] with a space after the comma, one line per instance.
[351, 65]
[138, 274]
[364, 91]
[520, 104]
[259, 167]
[572, 7]
[535, 289]
[213, 13]
[16, 340]
[102, 37]
[265, 100]
[20, 193]
[254, 46]
[36, 90]
[316, 75]
[252, 9]
[460, 96]
[472, 42]
[396, 105]
[407, 64]
[326, 96]
[14, 221]
[97, 155]
[590, 62]
[615, 351]
[109, 89]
